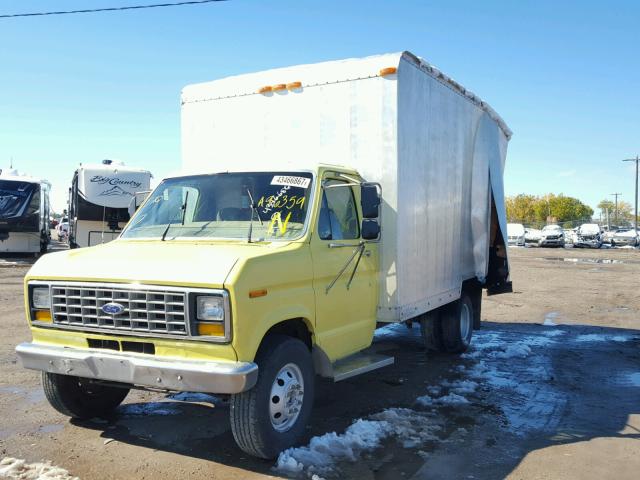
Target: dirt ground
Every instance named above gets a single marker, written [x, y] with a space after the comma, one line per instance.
[550, 389]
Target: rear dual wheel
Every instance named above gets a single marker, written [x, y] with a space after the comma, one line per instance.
[450, 328]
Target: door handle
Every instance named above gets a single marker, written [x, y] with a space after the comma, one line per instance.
[367, 253]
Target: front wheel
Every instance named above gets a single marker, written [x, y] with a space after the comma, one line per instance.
[78, 398]
[457, 324]
[273, 415]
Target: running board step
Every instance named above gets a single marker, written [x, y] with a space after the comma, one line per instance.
[359, 363]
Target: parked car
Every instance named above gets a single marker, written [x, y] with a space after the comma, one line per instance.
[551, 236]
[515, 234]
[532, 236]
[589, 235]
[608, 235]
[626, 238]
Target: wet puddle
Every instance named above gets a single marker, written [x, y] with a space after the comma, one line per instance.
[589, 261]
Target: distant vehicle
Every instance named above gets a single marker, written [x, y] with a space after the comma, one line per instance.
[62, 231]
[551, 236]
[626, 238]
[589, 235]
[24, 213]
[99, 199]
[53, 223]
[532, 236]
[515, 234]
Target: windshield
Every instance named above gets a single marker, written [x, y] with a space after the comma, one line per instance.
[219, 206]
[16, 198]
[551, 227]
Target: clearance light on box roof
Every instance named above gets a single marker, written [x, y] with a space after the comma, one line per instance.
[387, 71]
[294, 85]
[266, 89]
[279, 87]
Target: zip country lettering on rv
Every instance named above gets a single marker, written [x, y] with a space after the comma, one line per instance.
[102, 180]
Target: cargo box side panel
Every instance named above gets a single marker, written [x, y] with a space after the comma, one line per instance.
[435, 158]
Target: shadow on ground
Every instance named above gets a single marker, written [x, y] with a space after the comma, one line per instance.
[527, 387]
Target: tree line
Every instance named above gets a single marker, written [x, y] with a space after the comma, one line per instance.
[538, 210]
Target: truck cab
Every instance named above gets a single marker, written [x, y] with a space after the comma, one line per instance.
[212, 274]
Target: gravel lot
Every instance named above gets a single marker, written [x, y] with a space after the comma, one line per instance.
[550, 389]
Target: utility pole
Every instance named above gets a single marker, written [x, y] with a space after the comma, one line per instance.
[635, 220]
[616, 210]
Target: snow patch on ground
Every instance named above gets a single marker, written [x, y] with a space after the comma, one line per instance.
[410, 427]
[452, 399]
[151, 408]
[194, 397]
[602, 337]
[549, 319]
[554, 333]
[630, 379]
[14, 468]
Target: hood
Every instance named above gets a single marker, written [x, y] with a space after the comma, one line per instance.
[179, 263]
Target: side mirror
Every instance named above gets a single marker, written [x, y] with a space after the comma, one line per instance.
[137, 200]
[370, 229]
[370, 200]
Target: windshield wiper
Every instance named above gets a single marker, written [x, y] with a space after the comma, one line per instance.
[184, 212]
[254, 208]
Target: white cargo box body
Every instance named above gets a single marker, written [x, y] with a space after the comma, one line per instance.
[437, 150]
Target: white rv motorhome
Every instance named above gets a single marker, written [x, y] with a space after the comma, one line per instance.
[24, 213]
[99, 199]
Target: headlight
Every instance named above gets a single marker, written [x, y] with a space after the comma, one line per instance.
[210, 309]
[41, 298]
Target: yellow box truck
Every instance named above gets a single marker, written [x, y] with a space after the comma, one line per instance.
[317, 202]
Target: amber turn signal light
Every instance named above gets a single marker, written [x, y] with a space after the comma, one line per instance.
[43, 315]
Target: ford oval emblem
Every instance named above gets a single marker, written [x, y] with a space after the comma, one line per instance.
[112, 308]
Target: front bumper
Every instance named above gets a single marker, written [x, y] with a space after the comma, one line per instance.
[551, 241]
[145, 371]
[624, 242]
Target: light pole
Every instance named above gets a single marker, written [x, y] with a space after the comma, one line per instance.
[616, 210]
[635, 222]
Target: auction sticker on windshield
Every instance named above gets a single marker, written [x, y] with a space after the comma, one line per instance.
[291, 181]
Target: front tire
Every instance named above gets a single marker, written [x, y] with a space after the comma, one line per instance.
[457, 324]
[273, 415]
[78, 398]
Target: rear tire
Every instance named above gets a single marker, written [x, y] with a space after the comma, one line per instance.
[457, 324]
[431, 329]
[78, 398]
[273, 415]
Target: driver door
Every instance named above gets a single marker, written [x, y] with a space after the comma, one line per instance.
[345, 310]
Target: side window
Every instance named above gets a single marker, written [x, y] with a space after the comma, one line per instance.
[338, 214]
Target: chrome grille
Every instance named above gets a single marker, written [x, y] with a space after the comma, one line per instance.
[146, 310]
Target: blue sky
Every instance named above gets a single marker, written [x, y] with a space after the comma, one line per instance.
[564, 75]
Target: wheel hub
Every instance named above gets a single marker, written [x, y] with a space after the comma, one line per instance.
[465, 322]
[287, 396]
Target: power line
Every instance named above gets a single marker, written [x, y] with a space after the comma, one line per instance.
[109, 9]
